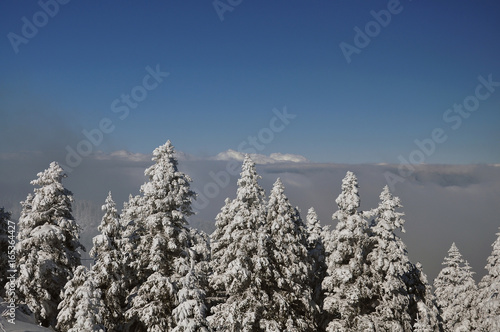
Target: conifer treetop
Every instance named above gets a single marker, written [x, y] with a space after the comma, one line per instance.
[53, 174]
[167, 188]
[388, 220]
[110, 225]
[249, 191]
[454, 258]
[314, 230]
[493, 266]
[348, 201]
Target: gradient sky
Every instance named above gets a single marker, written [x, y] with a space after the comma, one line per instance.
[226, 77]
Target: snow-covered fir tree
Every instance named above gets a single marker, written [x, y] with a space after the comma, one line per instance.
[4, 248]
[66, 317]
[456, 293]
[200, 252]
[132, 225]
[163, 247]
[290, 296]
[489, 291]
[190, 315]
[82, 308]
[220, 240]
[389, 263]
[316, 252]
[48, 243]
[239, 261]
[108, 269]
[348, 286]
[423, 309]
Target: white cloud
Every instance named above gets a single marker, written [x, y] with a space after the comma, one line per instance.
[124, 155]
[261, 158]
[121, 155]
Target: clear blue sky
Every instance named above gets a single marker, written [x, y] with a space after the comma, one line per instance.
[227, 76]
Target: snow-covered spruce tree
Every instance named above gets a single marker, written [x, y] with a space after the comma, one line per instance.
[67, 307]
[316, 252]
[456, 292]
[4, 246]
[291, 307]
[348, 285]
[200, 252]
[82, 308]
[239, 261]
[423, 309]
[389, 264]
[48, 243]
[132, 225]
[489, 292]
[219, 241]
[108, 269]
[163, 248]
[191, 312]
[190, 315]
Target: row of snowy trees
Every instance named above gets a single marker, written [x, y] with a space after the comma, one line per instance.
[263, 269]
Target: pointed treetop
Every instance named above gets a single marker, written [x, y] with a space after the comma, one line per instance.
[54, 173]
[109, 203]
[314, 230]
[167, 186]
[164, 158]
[278, 188]
[493, 265]
[454, 257]
[248, 168]
[312, 217]
[348, 200]
[278, 202]
[110, 224]
[386, 195]
[248, 187]
[387, 218]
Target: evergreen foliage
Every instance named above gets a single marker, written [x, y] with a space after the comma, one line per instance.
[82, 308]
[239, 258]
[291, 306]
[108, 270]
[262, 269]
[388, 262]
[348, 284]
[489, 291]
[316, 251]
[456, 293]
[48, 243]
[162, 258]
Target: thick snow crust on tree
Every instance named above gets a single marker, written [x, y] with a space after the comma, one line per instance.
[456, 293]
[262, 269]
[48, 243]
[489, 291]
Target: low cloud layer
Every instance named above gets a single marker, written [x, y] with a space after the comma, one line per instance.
[261, 159]
[442, 203]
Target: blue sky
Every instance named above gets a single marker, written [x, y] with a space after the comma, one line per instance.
[226, 77]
